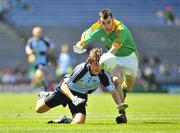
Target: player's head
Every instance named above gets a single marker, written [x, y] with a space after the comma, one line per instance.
[93, 60]
[106, 20]
[37, 32]
[64, 48]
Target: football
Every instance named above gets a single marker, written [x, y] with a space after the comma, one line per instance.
[121, 119]
[108, 61]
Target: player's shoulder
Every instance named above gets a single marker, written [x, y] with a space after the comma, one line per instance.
[46, 39]
[81, 66]
[119, 25]
[95, 26]
[30, 40]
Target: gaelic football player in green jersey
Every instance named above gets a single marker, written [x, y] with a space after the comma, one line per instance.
[119, 41]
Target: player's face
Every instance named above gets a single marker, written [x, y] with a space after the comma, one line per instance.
[106, 24]
[37, 33]
[95, 67]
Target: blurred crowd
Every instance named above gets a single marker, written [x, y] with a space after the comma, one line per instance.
[7, 5]
[167, 16]
[152, 75]
[153, 71]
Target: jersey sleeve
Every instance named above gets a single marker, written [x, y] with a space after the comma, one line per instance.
[29, 47]
[106, 80]
[29, 42]
[77, 74]
[90, 34]
[48, 43]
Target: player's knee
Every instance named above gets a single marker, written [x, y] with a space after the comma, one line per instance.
[38, 110]
[41, 108]
[116, 81]
[126, 86]
[79, 121]
[39, 74]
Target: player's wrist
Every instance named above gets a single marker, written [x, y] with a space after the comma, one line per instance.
[82, 43]
[73, 98]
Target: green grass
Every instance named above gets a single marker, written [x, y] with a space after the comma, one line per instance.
[147, 113]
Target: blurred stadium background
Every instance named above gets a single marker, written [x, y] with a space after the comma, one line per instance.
[155, 25]
[156, 36]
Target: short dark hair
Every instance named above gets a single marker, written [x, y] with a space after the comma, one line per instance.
[105, 13]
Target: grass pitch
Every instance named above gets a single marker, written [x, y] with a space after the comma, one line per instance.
[147, 113]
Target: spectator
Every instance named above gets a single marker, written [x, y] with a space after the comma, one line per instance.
[167, 16]
[21, 4]
[8, 76]
[64, 61]
[4, 7]
[150, 79]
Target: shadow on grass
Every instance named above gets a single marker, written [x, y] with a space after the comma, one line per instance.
[129, 123]
[138, 123]
[159, 122]
[154, 122]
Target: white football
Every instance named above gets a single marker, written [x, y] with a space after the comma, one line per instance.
[108, 61]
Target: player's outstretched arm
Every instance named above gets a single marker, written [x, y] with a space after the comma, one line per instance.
[75, 99]
[78, 48]
[115, 47]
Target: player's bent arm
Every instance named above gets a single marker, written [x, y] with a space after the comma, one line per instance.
[65, 89]
[75, 99]
[115, 46]
[28, 50]
[116, 97]
[87, 37]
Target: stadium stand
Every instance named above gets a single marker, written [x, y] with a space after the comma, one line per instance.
[11, 48]
[71, 17]
[76, 13]
[64, 21]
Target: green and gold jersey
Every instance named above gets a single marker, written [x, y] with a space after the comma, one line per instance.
[120, 34]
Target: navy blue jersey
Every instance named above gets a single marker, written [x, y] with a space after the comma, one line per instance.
[82, 81]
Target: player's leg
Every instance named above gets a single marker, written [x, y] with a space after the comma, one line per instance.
[41, 106]
[78, 118]
[129, 68]
[78, 112]
[52, 99]
[60, 120]
[128, 82]
[117, 82]
[39, 79]
[125, 86]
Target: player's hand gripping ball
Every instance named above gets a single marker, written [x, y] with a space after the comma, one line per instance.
[108, 61]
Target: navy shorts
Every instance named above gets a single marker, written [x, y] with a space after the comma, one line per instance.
[58, 98]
